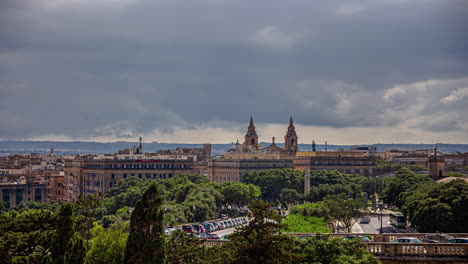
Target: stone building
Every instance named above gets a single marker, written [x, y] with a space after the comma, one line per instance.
[85, 176]
[436, 166]
[365, 166]
[24, 189]
[232, 168]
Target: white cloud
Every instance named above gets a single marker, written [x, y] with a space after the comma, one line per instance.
[456, 95]
[273, 37]
[349, 10]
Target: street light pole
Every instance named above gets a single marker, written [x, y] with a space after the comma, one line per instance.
[381, 218]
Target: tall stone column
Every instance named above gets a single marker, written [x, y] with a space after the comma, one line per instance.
[307, 182]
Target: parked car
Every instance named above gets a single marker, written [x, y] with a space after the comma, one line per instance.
[208, 228]
[198, 228]
[436, 238]
[214, 226]
[213, 236]
[187, 228]
[406, 240]
[458, 240]
[363, 238]
[203, 236]
[220, 226]
[169, 230]
[365, 219]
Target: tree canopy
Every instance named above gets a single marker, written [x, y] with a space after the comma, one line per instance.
[272, 182]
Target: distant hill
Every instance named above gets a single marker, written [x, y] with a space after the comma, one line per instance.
[81, 147]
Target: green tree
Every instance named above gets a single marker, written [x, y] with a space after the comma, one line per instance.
[239, 194]
[321, 249]
[261, 241]
[345, 210]
[87, 208]
[290, 195]
[66, 248]
[146, 242]
[439, 207]
[402, 185]
[184, 248]
[271, 182]
[107, 245]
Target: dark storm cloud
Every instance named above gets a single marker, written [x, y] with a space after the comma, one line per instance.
[81, 68]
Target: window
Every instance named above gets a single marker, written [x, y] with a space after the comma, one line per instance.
[155, 176]
[125, 175]
[132, 174]
[148, 176]
[139, 175]
[113, 176]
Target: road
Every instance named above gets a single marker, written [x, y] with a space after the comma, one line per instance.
[226, 231]
[373, 227]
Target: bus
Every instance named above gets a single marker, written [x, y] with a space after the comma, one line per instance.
[397, 219]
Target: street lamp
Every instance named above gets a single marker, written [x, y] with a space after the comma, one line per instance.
[193, 207]
[381, 217]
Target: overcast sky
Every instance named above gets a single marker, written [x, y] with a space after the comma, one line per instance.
[349, 72]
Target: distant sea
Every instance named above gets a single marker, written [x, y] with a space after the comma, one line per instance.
[82, 147]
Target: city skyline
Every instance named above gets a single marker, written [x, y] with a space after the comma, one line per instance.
[349, 72]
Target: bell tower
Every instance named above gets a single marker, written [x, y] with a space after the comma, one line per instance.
[436, 165]
[290, 140]
[251, 138]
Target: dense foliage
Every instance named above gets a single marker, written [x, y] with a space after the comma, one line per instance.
[402, 185]
[439, 207]
[146, 243]
[297, 223]
[277, 183]
[40, 236]
[187, 198]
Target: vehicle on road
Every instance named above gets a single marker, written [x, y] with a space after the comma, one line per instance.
[208, 228]
[458, 240]
[198, 228]
[436, 238]
[363, 238]
[169, 230]
[398, 219]
[213, 236]
[187, 229]
[365, 219]
[406, 240]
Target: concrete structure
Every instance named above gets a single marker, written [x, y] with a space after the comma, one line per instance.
[85, 175]
[233, 169]
[251, 138]
[290, 139]
[25, 189]
[412, 159]
[399, 253]
[436, 166]
[365, 166]
[307, 182]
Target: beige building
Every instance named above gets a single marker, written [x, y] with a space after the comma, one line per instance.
[25, 189]
[233, 169]
[365, 166]
[85, 176]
